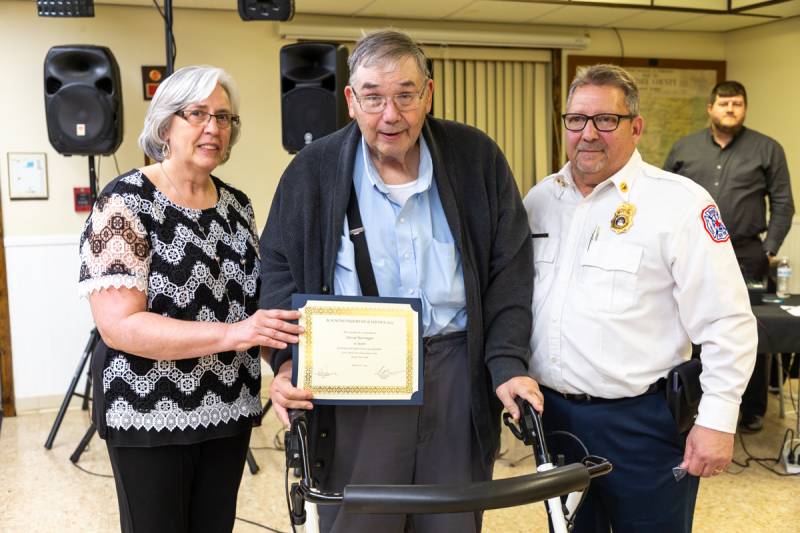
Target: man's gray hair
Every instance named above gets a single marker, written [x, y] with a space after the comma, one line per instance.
[186, 86]
[386, 46]
[608, 75]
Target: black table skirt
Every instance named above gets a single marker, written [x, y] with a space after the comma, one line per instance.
[778, 331]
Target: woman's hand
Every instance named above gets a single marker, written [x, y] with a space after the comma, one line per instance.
[266, 327]
[286, 396]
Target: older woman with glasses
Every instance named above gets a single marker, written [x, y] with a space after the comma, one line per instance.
[169, 262]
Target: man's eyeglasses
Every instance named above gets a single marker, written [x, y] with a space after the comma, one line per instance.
[602, 122]
[376, 103]
[198, 117]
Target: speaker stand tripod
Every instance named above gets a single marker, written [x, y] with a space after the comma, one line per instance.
[94, 338]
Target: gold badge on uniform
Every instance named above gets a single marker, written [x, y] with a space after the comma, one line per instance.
[623, 217]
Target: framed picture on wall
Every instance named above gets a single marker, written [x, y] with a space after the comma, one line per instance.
[27, 175]
[673, 95]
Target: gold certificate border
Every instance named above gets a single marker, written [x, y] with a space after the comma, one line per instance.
[308, 324]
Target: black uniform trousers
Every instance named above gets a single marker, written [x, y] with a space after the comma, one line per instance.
[429, 444]
[640, 438]
[188, 488]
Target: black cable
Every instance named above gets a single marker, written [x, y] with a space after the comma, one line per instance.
[571, 519]
[171, 33]
[573, 436]
[621, 45]
[288, 500]
[262, 526]
[79, 467]
[116, 163]
[794, 449]
[762, 460]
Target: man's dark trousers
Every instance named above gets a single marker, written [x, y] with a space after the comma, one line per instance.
[431, 444]
[639, 436]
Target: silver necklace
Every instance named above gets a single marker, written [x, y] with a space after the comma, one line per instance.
[242, 260]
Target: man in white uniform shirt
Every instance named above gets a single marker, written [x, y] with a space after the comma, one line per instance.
[632, 264]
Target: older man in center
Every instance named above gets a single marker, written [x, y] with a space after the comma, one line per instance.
[443, 223]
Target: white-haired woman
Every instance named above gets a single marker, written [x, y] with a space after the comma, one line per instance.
[170, 265]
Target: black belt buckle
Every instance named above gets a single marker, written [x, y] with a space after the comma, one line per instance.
[577, 397]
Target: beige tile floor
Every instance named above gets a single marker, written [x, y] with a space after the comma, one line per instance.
[41, 491]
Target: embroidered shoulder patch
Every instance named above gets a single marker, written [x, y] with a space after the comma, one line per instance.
[713, 224]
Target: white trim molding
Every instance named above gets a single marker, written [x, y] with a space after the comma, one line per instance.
[338, 29]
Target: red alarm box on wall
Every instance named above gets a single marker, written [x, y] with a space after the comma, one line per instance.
[82, 197]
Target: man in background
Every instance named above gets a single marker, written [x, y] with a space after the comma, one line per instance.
[741, 167]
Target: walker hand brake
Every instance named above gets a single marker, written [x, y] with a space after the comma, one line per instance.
[530, 430]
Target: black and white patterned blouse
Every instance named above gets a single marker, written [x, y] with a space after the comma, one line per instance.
[192, 264]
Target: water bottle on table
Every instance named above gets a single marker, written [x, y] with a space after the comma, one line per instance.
[784, 275]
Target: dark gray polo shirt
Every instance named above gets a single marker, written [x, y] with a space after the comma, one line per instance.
[751, 167]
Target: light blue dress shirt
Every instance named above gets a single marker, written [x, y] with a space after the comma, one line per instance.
[411, 247]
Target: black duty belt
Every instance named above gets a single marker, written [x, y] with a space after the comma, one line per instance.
[659, 385]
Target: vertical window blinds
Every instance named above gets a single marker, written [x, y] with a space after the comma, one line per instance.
[503, 92]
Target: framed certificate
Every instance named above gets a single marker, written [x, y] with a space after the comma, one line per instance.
[359, 350]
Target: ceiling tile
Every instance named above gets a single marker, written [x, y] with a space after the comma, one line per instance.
[720, 5]
[786, 9]
[320, 7]
[493, 11]
[327, 7]
[176, 4]
[585, 16]
[744, 3]
[417, 9]
[716, 23]
[654, 20]
[627, 2]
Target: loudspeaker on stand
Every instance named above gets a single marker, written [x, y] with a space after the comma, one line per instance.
[313, 78]
[83, 100]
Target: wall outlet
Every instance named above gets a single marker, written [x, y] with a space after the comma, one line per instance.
[791, 467]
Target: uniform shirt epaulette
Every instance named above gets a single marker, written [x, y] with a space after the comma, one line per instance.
[693, 190]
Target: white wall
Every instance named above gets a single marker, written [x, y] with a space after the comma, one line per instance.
[654, 44]
[50, 325]
[765, 59]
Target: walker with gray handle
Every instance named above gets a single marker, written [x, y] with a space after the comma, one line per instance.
[548, 483]
[531, 432]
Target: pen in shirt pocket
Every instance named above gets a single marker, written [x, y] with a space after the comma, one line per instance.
[593, 238]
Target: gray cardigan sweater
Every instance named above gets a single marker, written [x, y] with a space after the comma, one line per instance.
[482, 205]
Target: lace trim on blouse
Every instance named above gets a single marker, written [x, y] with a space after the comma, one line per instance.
[116, 252]
[88, 286]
